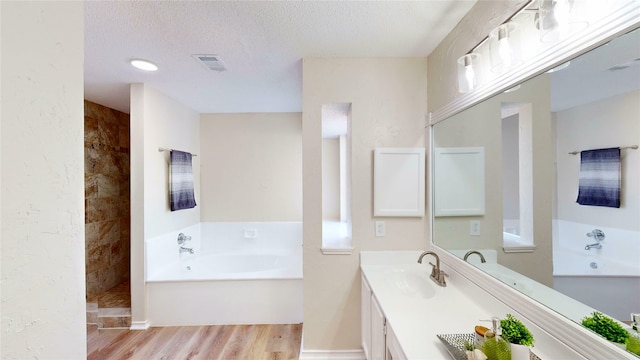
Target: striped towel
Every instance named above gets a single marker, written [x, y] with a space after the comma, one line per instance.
[599, 183]
[181, 194]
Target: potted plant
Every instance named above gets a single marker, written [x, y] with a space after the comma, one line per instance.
[605, 327]
[514, 331]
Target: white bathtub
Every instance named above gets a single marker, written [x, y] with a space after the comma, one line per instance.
[619, 255]
[589, 263]
[239, 273]
[607, 279]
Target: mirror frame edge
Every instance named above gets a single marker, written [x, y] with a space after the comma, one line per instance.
[568, 332]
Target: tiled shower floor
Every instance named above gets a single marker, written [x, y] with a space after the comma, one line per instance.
[110, 309]
[118, 296]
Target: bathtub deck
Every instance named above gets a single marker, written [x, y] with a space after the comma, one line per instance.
[226, 342]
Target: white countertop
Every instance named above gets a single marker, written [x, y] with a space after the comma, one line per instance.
[417, 316]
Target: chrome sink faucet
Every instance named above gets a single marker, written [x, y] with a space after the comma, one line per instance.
[437, 275]
[482, 260]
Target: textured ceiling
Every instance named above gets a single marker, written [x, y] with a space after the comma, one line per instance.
[609, 70]
[261, 42]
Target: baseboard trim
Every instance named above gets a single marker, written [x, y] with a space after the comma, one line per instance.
[332, 355]
[140, 325]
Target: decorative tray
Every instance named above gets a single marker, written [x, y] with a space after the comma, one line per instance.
[455, 345]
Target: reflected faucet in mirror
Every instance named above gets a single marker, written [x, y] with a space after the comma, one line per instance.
[437, 275]
[598, 235]
[482, 260]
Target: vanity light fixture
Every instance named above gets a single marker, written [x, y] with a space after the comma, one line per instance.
[505, 55]
[468, 72]
[144, 64]
[557, 19]
[504, 47]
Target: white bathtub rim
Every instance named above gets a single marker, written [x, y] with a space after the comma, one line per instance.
[629, 269]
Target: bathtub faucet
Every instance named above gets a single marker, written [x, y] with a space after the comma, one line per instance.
[186, 249]
[598, 235]
[182, 238]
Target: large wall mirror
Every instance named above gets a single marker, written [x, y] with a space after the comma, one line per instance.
[533, 235]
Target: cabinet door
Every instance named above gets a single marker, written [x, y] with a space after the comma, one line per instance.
[378, 346]
[394, 351]
[365, 317]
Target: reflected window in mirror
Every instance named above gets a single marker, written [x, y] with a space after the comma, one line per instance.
[517, 168]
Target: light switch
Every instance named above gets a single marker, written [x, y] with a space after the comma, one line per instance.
[474, 227]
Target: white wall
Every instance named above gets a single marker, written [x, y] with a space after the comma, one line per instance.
[611, 122]
[388, 98]
[156, 121]
[42, 261]
[251, 167]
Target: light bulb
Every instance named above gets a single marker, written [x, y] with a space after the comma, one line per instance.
[469, 72]
[506, 54]
[470, 76]
[561, 13]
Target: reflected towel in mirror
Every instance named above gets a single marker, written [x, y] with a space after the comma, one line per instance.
[599, 183]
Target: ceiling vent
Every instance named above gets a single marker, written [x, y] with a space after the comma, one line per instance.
[211, 62]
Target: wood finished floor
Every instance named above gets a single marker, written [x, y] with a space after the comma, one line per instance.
[228, 342]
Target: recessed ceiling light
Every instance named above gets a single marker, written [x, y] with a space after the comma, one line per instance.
[144, 65]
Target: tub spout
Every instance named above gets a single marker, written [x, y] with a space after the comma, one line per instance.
[482, 260]
[186, 249]
[593, 246]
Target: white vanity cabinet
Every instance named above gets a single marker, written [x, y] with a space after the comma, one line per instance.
[394, 351]
[365, 317]
[378, 331]
[378, 339]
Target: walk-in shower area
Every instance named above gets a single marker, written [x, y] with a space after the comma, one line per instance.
[107, 216]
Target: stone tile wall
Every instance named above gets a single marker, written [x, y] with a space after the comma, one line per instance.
[107, 210]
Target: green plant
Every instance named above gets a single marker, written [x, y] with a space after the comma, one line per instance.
[605, 327]
[469, 346]
[514, 331]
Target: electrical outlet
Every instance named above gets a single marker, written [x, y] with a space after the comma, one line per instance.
[250, 234]
[474, 227]
[380, 230]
